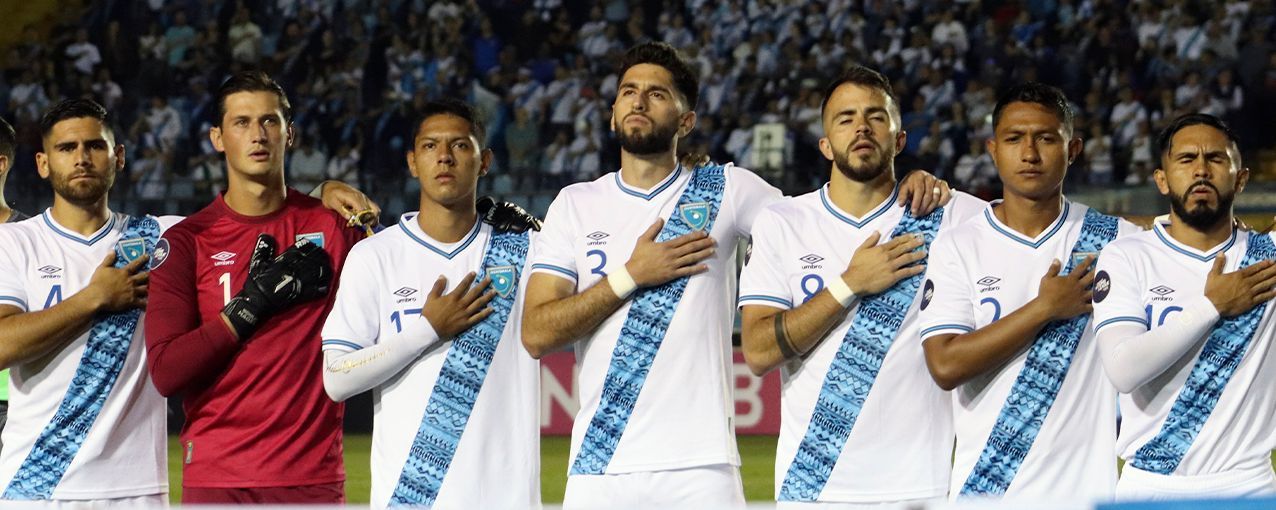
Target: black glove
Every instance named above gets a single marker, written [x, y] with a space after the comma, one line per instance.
[302, 273]
[506, 216]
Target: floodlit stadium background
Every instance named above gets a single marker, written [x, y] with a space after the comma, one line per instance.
[541, 73]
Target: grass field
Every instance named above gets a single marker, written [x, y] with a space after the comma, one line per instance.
[757, 454]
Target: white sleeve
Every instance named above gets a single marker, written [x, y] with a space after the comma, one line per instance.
[13, 266]
[347, 374]
[553, 244]
[762, 281]
[962, 207]
[358, 355]
[946, 293]
[748, 195]
[1132, 354]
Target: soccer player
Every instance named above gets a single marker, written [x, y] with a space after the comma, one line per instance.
[828, 289]
[235, 329]
[629, 264]
[1005, 320]
[86, 424]
[8, 149]
[1185, 330]
[456, 396]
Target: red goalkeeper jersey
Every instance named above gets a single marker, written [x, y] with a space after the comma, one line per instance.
[256, 412]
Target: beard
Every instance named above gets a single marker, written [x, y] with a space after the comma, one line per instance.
[83, 192]
[1203, 216]
[659, 140]
[866, 171]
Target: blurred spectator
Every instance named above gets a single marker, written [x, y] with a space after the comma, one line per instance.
[542, 72]
[1098, 155]
[308, 165]
[83, 54]
[522, 141]
[244, 38]
[344, 165]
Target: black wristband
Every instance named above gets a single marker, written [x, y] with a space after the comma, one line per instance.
[782, 338]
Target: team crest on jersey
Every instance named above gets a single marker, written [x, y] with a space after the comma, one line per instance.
[928, 292]
[132, 248]
[502, 279]
[696, 215]
[1079, 258]
[161, 253]
[313, 237]
[1102, 284]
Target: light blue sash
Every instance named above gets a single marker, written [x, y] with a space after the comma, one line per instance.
[1038, 384]
[645, 326]
[852, 373]
[1223, 352]
[460, 379]
[104, 355]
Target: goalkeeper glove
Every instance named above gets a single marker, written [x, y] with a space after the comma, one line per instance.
[506, 216]
[302, 273]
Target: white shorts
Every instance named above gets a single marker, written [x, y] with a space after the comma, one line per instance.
[705, 487]
[139, 502]
[1136, 484]
[908, 504]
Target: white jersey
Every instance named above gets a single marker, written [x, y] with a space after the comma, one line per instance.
[982, 271]
[124, 452]
[683, 416]
[1153, 277]
[901, 443]
[386, 282]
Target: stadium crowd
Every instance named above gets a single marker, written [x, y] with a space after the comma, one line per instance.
[541, 71]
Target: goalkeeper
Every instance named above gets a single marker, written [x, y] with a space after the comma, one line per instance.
[233, 325]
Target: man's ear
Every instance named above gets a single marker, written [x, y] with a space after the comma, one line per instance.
[686, 123]
[292, 135]
[215, 136]
[1162, 184]
[486, 162]
[1075, 146]
[42, 165]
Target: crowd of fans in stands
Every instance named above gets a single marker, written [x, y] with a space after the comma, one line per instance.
[541, 71]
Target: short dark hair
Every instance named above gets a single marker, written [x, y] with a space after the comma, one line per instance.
[78, 108]
[8, 140]
[685, 79]
[1039, 93]
[250, 81]
[454, 108]
[862, 76]
[1166, 137]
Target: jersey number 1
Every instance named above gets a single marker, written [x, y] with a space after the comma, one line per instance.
[224, 280]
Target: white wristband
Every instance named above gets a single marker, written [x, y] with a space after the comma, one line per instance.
[840, 291]
[621, 283]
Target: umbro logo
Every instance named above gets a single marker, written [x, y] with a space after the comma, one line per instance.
[405, 294]
[596, 238]
[811, 261]
[988, 283]
[1160, 290]
[50, 271]
[224, 258]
